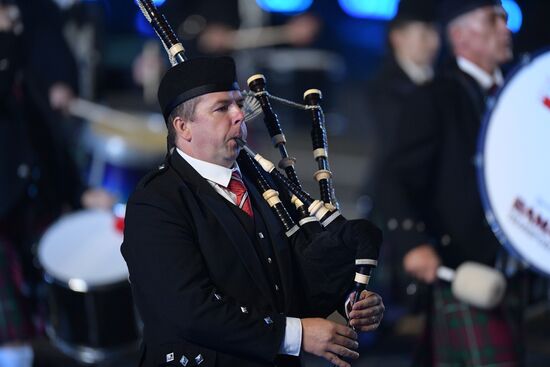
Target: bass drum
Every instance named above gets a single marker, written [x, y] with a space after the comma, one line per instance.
[513, 170]
[91, 314]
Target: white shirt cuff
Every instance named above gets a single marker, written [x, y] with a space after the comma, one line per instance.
[347, 307]
[293, 337]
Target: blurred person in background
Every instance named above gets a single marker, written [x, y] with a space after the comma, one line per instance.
[214, 27]
[413, 42]
[39, 181]
[430, 199]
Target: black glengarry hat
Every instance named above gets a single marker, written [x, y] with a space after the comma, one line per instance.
[416, 10]
[194, 78]
[451, 9]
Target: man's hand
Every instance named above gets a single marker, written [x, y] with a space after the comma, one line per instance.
[9, 18]
[97, 198]
[302, 29]
[60, 96]
[329, 340]
[367, 313]
[422, 263]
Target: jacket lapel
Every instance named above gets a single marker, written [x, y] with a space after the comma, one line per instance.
[216, 205]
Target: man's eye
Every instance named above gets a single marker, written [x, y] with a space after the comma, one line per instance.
[222, 108]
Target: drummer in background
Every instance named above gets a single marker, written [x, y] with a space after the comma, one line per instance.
[38, 179]
[212, 27]
[431, 202]
[413, 41]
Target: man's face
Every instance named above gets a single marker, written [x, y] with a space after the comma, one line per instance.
[417, 42]
[217, 121]
[488, 36]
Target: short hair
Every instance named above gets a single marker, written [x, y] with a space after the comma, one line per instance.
[186, 111]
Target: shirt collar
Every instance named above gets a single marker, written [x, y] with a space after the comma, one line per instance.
[418, 74]
[481, 76]
[212, 172]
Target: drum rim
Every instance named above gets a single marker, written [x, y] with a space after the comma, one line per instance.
[87, 354]
[52, 280]
[495, 225]
[51, 275]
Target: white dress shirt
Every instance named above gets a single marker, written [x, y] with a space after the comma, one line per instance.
[418, 74]
[219, 177]
[484, 79]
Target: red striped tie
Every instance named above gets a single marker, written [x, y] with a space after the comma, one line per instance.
[237, 187]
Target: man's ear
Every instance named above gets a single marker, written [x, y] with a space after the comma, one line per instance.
[181, 127]
[456, 35]
[395, 36]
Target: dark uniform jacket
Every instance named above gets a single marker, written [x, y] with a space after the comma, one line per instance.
[429, 178]
[387, 95]
[206, 279]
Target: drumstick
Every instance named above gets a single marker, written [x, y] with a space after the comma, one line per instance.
[100, 114]
[299, 31]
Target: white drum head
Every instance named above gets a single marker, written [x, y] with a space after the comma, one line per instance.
[514, 169]
[83, 250]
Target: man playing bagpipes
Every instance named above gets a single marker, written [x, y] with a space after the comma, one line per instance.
[215, 279]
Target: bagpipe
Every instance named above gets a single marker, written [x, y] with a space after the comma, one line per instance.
[336, 255]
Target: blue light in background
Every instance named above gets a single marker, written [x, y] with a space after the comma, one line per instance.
[515, 16]
[372, 9]
[142, 25]
[284, 6]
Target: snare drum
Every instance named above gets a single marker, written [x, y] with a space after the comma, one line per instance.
[121, 151]
[513, 171]
[91, 314]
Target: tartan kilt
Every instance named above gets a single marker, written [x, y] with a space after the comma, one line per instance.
[15, 318]
[464, 335]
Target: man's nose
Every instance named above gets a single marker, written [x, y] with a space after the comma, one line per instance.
[238, 114]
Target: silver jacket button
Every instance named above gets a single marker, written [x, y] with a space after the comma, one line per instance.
[170, 357]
